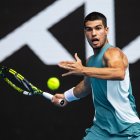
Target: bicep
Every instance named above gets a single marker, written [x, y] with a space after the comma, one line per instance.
[114, 58]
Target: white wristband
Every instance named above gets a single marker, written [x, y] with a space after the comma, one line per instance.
[69, 95]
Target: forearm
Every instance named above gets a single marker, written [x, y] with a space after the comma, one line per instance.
[104, 73]
[79, 91]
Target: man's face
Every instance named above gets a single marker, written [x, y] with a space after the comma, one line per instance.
[96, 33]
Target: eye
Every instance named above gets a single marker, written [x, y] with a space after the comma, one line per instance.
[98, 28]
[88, 29]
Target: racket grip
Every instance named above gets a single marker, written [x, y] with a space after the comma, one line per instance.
[47, 95]
[50, 96]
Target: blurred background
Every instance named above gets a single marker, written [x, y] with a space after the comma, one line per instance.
[34, 37]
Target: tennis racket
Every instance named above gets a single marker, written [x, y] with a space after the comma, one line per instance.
[21, 84]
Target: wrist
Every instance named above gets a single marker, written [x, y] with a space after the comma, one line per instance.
[69, 95]
[84, 71]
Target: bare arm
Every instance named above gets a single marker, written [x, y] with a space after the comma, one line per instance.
[80, 90]
[115, 64]
[83, 88]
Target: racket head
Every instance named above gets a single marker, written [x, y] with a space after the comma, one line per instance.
[18, 82]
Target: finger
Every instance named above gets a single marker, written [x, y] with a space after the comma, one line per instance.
[56, 99]
[59, 96]
[67, 67]
[62, 64]
[76, 57]
[70, 66]
[66, 62]
[68, 73]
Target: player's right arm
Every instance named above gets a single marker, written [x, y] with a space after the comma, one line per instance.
[83, 88]
[79, 91]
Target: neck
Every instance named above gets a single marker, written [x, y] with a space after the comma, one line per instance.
[97, 50]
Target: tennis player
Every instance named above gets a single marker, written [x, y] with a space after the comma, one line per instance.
[107, 76]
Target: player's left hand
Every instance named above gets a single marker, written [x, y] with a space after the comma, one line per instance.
[73, 67]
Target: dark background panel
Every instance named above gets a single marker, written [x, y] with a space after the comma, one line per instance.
[127, 23]
[23, 117]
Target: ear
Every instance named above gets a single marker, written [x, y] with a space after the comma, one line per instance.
[107, 30]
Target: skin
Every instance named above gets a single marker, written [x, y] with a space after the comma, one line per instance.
[114, 60]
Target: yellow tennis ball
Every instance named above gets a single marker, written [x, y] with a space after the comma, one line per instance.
[53, 83]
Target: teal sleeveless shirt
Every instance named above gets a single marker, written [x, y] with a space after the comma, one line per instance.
[114, 104]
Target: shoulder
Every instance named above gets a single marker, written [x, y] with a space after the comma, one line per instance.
[114, 52]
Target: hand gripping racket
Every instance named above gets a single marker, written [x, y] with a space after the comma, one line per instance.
[22, 85]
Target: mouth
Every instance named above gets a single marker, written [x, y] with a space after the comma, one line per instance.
[95, 40]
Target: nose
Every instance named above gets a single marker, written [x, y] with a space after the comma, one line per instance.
[93, 32]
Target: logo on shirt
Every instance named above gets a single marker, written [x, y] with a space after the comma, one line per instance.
[129, 137]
